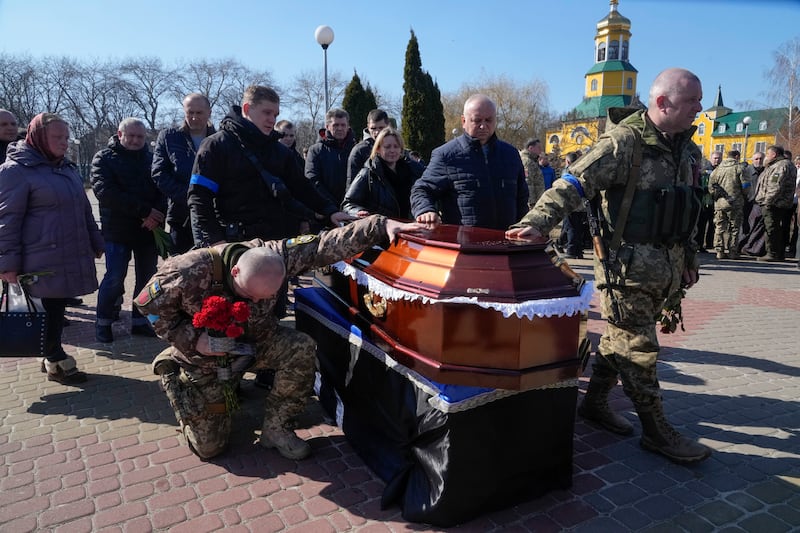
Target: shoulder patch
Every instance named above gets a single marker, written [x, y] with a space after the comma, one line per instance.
[149, 293]
[302, 239]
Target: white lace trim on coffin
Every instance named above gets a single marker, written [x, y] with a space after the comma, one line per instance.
[567, 306]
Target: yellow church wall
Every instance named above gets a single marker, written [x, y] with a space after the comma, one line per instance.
[708, 143]
[578, 142]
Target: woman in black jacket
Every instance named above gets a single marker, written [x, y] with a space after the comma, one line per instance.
[383, 186]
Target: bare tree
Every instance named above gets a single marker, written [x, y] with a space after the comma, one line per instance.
[522, 109]
[30, 86]
[307, 94]
[146, 83]
[223, 81]
[785, 79]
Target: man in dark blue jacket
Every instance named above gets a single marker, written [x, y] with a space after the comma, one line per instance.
[131, 207]
[475, 179]
[173, 160]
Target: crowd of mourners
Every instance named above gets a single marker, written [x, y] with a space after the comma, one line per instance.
[235, 198]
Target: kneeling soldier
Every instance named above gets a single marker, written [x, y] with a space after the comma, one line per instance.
[251, 272]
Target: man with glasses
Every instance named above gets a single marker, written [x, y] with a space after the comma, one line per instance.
[377, 120]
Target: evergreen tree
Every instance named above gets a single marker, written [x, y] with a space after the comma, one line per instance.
[358, 102]
[423, 114]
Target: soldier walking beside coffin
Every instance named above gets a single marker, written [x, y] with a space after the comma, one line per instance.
[651, 258]
[250, 272]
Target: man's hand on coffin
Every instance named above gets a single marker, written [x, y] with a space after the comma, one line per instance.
[528, 233]
[203, 347]
[431, 218]
[394, 227]
[339, 217]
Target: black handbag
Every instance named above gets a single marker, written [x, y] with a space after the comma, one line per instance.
[23, 323]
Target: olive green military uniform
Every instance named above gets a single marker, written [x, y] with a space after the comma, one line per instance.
[774, 195]
[730, 179]
[533, 176]
[648, 265]
[177, 292]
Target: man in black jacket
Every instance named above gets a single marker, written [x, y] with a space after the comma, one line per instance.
[326, 161]
[131, 207]
[245, 184]
[173, 160]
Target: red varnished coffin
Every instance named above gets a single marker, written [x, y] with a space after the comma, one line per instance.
[463, 343]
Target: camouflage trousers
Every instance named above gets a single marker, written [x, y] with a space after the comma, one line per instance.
[644, 276]
[197, 397]
[727, 223]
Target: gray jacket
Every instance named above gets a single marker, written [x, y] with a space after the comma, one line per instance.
[46, 224]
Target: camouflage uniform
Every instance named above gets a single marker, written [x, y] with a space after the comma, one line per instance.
[728, 205]
[533, 176]
[644, 273]
[774, 195]
[176, 293]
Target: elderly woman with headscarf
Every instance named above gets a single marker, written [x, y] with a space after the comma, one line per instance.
[47, 226]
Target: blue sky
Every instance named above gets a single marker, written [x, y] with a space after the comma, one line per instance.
[727, 42]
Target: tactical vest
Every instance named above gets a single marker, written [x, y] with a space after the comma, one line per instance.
[660, 216]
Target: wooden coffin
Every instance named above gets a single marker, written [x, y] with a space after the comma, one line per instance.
[425, 308]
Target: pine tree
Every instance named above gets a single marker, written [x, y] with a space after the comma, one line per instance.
[423, 114]
[358, 102]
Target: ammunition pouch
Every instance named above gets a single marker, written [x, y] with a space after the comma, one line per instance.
[662, 216]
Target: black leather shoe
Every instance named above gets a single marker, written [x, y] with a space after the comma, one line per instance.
[103, 334]
[73, 302]
[143, 331]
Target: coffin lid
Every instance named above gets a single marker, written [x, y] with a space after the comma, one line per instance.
[451, 261]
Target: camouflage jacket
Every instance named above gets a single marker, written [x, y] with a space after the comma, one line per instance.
[533, 176]
[776, 184]
[732, 178]
[605, 169]
[177, 291]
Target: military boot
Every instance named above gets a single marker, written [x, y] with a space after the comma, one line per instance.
[288, 444]
[660, 437]
[594, 407]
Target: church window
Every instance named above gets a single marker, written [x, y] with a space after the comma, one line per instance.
[554, 139]
[739, 127]
[624, 50]
[761, 146]
[594, 85]
[629, 85]
[613, 50]
[719, 148]
[701, 129]
[762, 126]
[721, 128]
[601, 52]
[737, 147]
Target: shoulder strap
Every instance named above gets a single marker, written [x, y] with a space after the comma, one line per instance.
[216, 259]
[630, 187]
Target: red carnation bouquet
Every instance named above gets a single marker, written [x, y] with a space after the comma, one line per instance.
[218, 314]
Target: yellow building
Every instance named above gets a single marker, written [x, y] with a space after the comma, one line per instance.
[611, 82]
[719, 129]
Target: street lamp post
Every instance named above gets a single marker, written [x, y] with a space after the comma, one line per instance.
[324, 36]
[77, 143]
[746, 121]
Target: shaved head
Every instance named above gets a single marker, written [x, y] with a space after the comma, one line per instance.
[674, 100]
[258, 274]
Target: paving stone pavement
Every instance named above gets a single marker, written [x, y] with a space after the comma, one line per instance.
[106, 456]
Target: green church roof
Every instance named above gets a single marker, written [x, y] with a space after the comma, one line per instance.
[597, 106]
[611, 66]
[774, 119]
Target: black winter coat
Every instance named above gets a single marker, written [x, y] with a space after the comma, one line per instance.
[373, 191]
[358, 157]
[227, 188]
[470, 188]
[326, 166]
[121, 182]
